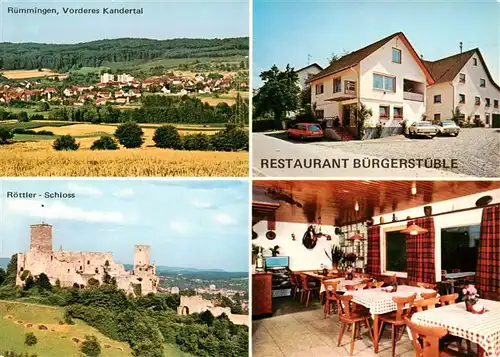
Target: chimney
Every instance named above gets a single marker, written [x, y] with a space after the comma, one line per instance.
[421, 56]
[461, 45]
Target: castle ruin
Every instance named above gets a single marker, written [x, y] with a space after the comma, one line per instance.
[69, 268]
[197, 304]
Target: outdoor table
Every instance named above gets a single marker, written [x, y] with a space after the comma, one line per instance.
[456, 276]
[380, 302]
[484, 329]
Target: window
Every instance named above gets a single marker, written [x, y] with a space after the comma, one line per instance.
[461, 78]
[396, 55]
[474, 61]
[337, 85]
[461, 98]
[384, 111]
[395, 251]
[320, 113]
[437, 98]
[437, 117]
[319, 89]
[477, 118]
[398, 112]
[384, 82]
[477, 101]
[487, 118]
[88, 262]
[482, 82]
[495, 103]
[486, 102]
[459, 248]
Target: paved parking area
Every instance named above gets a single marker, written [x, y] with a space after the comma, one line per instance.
[476, 152]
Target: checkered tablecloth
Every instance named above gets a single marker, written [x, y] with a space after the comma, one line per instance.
[481, 329]
[380, 302]
[342, 283]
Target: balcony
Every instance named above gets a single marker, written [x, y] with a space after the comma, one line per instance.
[417, 97]
[348, 92]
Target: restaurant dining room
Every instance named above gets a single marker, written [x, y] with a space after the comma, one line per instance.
[367, 268]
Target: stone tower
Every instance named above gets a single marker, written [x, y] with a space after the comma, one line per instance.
[41, 237]
[141, 256]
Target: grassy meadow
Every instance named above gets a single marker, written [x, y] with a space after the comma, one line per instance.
[18, 318]
[33, 155]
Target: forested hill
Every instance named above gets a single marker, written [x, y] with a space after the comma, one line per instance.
[63, 57]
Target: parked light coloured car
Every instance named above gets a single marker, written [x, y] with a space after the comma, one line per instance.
[422, 128]
[305, 131]
[448, 127]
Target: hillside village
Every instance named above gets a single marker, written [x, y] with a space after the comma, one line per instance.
[121, 89]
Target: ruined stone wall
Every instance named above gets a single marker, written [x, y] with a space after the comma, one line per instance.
[197, 304]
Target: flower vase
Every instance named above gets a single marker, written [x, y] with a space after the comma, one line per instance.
[335, 267]
[349, 276]
[468, 307]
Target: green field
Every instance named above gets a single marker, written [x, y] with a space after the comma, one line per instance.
[19, 318]
[34, 124]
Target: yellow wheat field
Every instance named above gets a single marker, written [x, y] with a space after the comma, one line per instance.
[39, 159]
[29, 73]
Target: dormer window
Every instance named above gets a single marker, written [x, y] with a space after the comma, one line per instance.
[482, 82]
[461, 78]
[474, 61]
[396, 55]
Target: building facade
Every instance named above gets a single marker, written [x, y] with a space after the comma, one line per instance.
[68, 267]
[463, 81]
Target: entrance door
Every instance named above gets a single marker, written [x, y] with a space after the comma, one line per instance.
[495, 123]
[346, 115]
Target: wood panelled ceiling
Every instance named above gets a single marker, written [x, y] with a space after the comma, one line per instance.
[334, 201]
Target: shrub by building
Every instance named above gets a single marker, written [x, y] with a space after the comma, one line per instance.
[167, 137]
[65, 143]
[104, 143]
[130, 135]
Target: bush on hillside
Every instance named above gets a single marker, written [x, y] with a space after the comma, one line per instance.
[65, 143]
[32, 132]
[23, 117]
[30, 339]
[198, 141]
[130, 135]
[231, 138]
[104, 143]
[90, 346]
[167, 137]
[36, 117]
[5, 135]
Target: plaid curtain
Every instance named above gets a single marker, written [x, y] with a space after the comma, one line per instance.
[373, 264]
[488, 256]
[420, 260]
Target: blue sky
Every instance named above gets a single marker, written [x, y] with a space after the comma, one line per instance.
[286, 32]
[187, 223]
[161, 20]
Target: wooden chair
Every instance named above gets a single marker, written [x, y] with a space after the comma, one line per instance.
[293, 281]
[330, 292]
[426, 304]
[351, 318]
[350, 287]
[379, 284]
[307, 287]
[448, 299]
[429, 295]
[396, 318]
[425, 340]
[443, 274]
[427, 285]
[298, 288]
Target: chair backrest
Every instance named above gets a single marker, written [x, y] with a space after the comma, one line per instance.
[425, 339]
[427, 285]
[330, 288]
[360, 286]
[448, 299]
[426, 304]
[293, 279]
[393, 278]
[401, 301]
[379, 284]
[298, 280]
[455, 270]
[350, 287]
[344, 306]
[428, 295]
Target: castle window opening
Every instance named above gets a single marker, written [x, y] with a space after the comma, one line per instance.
[22, 269]
[81, 268]
[88, 262]
[68, 270]
[51, 257]
[96, 271]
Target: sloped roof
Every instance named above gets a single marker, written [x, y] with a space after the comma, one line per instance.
[446, 69]
[353, 58]
[310, 65]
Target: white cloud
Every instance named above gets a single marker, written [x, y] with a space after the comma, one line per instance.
[179, 227]
[60, 210]
[200, 203]
[84, 190]
[224, 218]
[127, 192]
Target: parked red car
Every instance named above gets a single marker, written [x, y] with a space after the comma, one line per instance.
[305, 131]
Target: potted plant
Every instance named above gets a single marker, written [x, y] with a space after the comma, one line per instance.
[350, 271]
[336, 255]
[255, 251]
[275, 250]
[350, 258]
[471, 297]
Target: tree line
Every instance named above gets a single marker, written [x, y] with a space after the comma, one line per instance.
[146, 323]
[64, 57]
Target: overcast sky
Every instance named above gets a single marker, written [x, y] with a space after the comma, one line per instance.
[161, 20]
[187, 223]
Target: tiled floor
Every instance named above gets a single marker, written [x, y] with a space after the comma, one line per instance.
[307, 334]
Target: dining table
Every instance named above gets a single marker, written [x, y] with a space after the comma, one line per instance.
[379, 301]
[482, 329]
